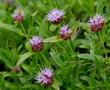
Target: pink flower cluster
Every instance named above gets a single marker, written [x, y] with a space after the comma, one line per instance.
[45, 76]
[36, 43]
[96, 23]
[18, 15]
[65, 32]
[55, 16]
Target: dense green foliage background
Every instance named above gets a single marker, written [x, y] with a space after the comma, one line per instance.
[81, 63]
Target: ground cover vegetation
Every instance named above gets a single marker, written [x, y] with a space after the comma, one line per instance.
[54, 44]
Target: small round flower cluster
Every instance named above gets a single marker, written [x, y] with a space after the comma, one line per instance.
[96, 23]
[36, 43]
[55, 16]
[65, 32]
[45, 76]
[18, 15]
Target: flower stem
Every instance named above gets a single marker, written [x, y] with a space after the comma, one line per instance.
[23, 30]
[102, 42]
[45, 59]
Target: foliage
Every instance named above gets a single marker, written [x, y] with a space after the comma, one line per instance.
[80, 63]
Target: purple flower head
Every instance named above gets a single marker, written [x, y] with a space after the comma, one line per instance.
[96, 23]
[18, 15]
[36, 43]
[45, 77]
[55, 16]
[65, 32]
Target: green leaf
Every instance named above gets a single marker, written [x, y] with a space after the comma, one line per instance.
[84, 25]
[2, 14]
[80, 85]
[85, 78]
[103, 75]
[45, 59]
[10, 86]
[55, 57]
[53, 39]
[86, 56]
[23, 58]
[29, 86]
[4, 57]
[27, 68]
[2, 83]
[55, 85]
[11, 28]
[53, 27]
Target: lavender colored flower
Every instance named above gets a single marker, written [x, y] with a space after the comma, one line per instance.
[55, 16]
[18, 15]
[65, 32]
[36, 43]
[96, 23]
[45, 77]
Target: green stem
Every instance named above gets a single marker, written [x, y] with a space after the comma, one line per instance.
[102, 42]
[45, 59]
[23, 30]
[70, 47]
